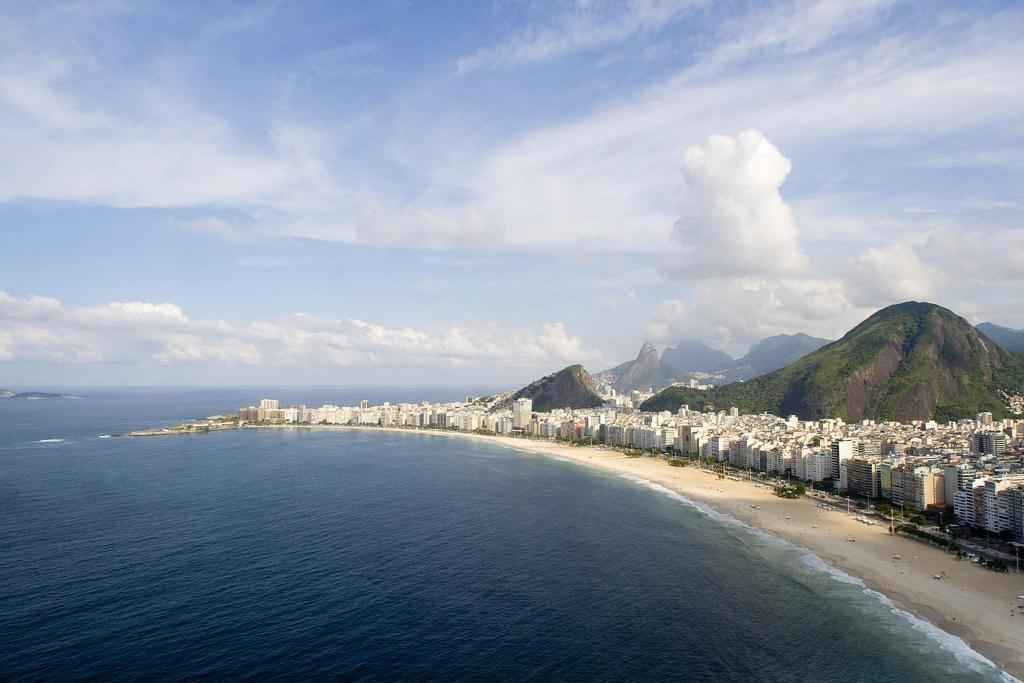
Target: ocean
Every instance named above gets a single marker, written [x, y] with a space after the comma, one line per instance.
[381, 556]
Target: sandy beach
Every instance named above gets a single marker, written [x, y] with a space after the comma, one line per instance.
[971, 602]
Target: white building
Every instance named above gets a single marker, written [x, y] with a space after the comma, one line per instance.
[522, 412]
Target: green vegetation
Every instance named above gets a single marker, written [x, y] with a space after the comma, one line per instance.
[790, 490]
[909, 361]
[911, 530]
[570, 387]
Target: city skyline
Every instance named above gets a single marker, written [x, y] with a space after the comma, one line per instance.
[283, 194]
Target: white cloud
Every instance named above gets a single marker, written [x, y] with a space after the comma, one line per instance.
[792, 28]
[586, 26]
[604, 179]
[980, 253]
[30, 308]
[146, 333]
[880, 276]
[732, 314]
[738, 223]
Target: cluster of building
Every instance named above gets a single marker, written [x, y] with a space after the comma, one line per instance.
[973, 466]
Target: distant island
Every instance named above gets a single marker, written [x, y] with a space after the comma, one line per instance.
[34, 395]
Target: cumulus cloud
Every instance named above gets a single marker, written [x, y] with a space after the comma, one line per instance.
[890, 274]
[738, 222]
[732, 314]
[35, 328]
[980, 253]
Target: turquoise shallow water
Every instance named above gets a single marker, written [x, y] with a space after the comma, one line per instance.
[383, 556]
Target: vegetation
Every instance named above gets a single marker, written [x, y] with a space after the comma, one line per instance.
[912, 530]
[790, 490]
[570, 387]
[909, 361]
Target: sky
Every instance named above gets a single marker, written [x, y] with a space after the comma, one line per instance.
[482, 192]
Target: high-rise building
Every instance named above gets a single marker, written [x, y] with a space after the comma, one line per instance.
[268, 409]
[989, 442]
[957, 478]
[522, 413]
[864, 477]
[843, 449]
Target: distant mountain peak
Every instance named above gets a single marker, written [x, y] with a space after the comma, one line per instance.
[570, 387]
[914, 360]
[1006, 337]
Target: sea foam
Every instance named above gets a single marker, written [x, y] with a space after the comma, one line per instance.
[958, 647]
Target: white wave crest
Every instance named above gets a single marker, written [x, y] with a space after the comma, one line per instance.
[949, 642]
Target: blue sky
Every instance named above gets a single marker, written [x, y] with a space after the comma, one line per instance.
[479, 192]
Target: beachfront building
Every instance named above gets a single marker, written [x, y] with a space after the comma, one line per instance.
[918, 465]
[956, 478]
[842, 450]
[864, 477]
[818, 466]
[522, 412]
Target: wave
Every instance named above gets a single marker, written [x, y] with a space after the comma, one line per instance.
[958, 647]
[103, 436]
[50, 441]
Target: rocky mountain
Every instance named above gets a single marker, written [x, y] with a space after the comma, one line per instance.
[690, 356]
[776, 352]
[647, 370]
[910, 361]
[571, 387]
[1010, 339]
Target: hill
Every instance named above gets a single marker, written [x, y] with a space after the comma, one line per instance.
[571, 387]
[1010, 339]
[690, 356]
[33, 395]
[647, 370]
[776, 352]
[909, 361]
[694, 359]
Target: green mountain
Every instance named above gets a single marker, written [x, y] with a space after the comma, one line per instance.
[909, 361]
[571, 387]
[1009, 338]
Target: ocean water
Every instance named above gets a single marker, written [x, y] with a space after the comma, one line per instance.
[369, 556]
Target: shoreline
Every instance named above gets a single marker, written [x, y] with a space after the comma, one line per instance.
[971, 603]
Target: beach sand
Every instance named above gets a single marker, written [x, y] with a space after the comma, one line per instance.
[971, 602]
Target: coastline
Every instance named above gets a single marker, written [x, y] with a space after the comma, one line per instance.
[972, 603]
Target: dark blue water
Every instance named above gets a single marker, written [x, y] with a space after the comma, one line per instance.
[383, 556]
